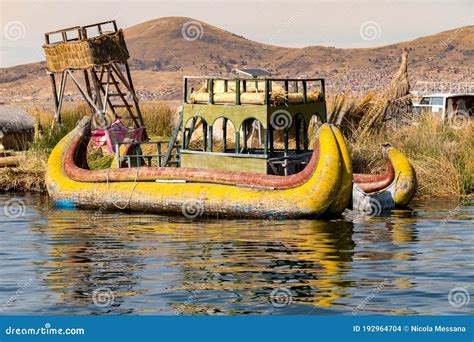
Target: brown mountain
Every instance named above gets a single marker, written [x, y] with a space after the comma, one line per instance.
[165, 49]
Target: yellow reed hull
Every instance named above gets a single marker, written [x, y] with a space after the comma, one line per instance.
[396, 195]
[310, 199]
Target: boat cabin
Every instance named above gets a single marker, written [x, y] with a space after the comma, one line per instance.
[258, 124]
[253, 123]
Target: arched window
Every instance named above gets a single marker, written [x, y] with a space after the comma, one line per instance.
[196, 134]
[313, 126]
[252, 136]
[223, 135]
[300, 133]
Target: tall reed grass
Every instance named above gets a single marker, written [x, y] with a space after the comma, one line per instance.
[440, 152]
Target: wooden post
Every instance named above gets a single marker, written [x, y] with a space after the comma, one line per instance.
[305, 92]
[55, 91]
[117, 154]
[224, 135]
[237, 142]
[204, 135]
[244, 133]
[185, 87]
[88, 88]
[237, 92]
[55, 97]
[297, 132]
[265, 142]
[305, 134]
[270, 134]
[211, 91]
[267, 92]
[209, 145]
[134, 96]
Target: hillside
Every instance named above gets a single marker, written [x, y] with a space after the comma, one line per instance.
[161, 56]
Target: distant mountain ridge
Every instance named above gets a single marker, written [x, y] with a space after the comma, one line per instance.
[164, 50]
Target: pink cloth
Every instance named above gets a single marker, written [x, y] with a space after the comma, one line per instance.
[117, 132]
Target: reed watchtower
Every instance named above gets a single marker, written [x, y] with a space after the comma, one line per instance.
[95, 58]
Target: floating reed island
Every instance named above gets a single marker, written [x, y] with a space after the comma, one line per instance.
[257, 146]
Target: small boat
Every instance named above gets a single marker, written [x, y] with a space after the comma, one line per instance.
[374, 193]
[243, 149]
[194, 191]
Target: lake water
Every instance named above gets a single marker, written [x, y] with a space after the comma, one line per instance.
[417, 261]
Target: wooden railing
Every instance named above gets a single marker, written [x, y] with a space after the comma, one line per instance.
[241, 84]
[80, 32]
[140, 159]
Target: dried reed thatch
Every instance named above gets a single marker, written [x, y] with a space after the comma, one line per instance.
[395, 103]
[85, 53]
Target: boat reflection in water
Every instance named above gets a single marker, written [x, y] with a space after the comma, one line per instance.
[151, 265]
[84, 262]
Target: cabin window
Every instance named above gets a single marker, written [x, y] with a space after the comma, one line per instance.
[425, 101]
[437, 101]
[196, 134]
[223, 136]
[252, 137]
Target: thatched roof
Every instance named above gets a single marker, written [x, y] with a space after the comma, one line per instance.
[15, 119]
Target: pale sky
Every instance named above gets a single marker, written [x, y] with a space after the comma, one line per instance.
[294, 23]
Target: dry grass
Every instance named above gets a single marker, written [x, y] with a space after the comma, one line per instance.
[440, 153]
[29, 175]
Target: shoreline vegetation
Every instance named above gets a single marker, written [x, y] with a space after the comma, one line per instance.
[439, 151]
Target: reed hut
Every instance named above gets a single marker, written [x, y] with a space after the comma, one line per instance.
[17, 128]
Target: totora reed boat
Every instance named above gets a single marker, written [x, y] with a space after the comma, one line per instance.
[241, 146]
[374, 193]
[308, 193]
